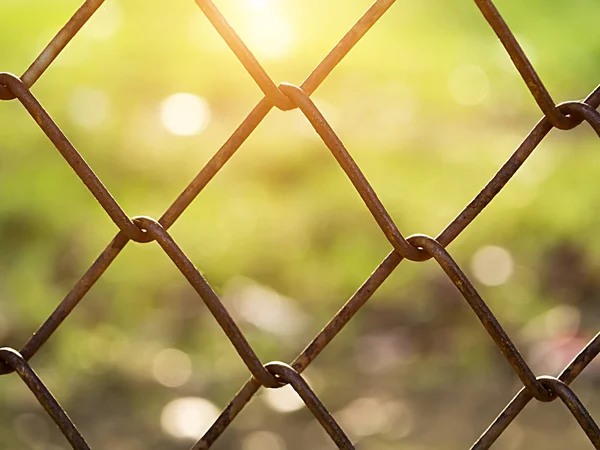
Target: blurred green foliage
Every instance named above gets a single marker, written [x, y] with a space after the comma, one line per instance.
[428, 104]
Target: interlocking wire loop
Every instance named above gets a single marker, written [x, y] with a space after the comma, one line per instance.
[287, 96]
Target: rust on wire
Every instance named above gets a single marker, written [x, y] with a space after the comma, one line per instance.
[523, 65]
[13, 359]
[287, 374]
[246, 57]
[56, 45]
[567, 376]
[211, 300]
[566, 394]
[366, 192]
[73, 158]
[389, 264]
[485, 315]
[286, 96]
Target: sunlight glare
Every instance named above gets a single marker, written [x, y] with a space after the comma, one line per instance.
[258, 3]
[269, 34]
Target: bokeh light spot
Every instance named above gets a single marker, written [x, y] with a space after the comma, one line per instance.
[284, 399]
[171, 367]
[261, 440]
[185, 114]
[105, 22]
[492, 265]
[88, 107]
[265, 308]
[188, 417]
[468, 84]
[369, 416]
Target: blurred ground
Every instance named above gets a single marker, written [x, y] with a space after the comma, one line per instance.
[429, 105]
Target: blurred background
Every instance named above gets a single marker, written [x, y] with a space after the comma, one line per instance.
[428, 104]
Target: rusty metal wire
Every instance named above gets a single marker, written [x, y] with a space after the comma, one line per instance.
[286, 96]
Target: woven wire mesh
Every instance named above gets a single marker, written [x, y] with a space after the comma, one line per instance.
[285, 96]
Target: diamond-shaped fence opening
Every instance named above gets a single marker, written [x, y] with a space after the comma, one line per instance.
[256, 305]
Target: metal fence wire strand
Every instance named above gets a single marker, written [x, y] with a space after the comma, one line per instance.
[287, 96]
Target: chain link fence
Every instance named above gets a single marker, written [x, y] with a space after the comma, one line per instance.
[285, 96]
